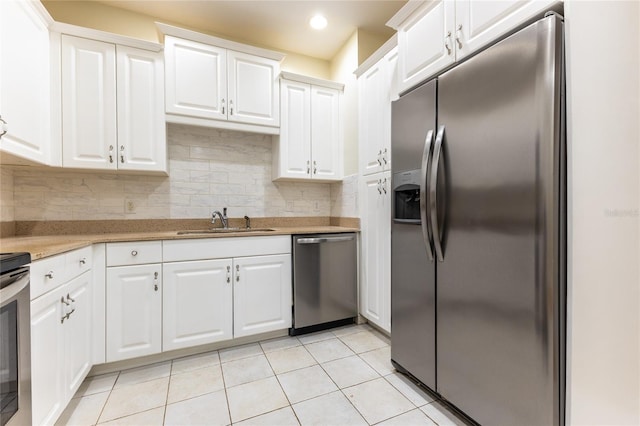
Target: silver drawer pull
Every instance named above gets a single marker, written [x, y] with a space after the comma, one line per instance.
[49, 275]
[134, 252]
[83, 261]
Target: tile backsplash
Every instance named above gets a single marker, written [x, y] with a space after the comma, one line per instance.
[208, 169]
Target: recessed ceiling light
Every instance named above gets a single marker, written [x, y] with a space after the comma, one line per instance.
[318, 22]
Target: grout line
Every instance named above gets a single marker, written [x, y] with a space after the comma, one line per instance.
[107, 400]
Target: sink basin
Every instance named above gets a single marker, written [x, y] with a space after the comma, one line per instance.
[224, 231]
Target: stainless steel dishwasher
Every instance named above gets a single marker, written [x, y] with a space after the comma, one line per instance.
[324, 281]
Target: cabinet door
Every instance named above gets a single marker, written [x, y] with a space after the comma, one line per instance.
[196, 79]
[134, 311]
[77, 332]
[47, 357]
[253, 89]
[371, 89]
[24, 80]
[88, 104]
[390, 95]
[326, 146]
[197, 303]
[480, 22]
[142, 141]
[262, 294]
[376, 246]
[294, 148]
[426, 43]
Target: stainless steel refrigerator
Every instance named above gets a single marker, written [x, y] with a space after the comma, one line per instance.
[478, 232]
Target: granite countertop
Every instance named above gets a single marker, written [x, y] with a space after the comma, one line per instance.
[49, 245]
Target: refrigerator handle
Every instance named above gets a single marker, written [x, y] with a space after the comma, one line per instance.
[433, 194]
[424, 177]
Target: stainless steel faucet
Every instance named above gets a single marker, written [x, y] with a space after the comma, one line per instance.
[222, 216]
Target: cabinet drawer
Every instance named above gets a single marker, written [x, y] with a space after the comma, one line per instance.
[47, 274]
[78, 262]
[216, 248]
[134, 253]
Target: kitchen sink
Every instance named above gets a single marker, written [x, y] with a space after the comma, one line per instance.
[224, 231]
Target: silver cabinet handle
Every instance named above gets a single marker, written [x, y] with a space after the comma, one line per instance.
[134, 253]
[228, 273]
[111, 153]
[122, 153]
[447, 41]
[222, 106]
[433, 194]
[231, 107]
[384, 156]
[3, 127]
[64, 302]
[379, 184]
[83, 260]
[72, 300]
[308, 167]
[49, 275]
[379, 161]
[384, 185]
[237, 273]
[459, 36]
[324, 240]
[315, 168]
[155, 281]
[424, 178]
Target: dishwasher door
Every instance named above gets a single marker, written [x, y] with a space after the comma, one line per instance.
[324, 280]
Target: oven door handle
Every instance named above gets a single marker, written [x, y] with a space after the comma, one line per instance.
[14, 285]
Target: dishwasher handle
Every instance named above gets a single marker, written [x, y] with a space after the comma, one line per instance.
[324, 240]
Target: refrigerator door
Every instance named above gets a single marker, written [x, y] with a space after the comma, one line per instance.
[413, 327]
[499, 284]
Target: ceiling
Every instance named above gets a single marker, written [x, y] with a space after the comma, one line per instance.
[277, 24]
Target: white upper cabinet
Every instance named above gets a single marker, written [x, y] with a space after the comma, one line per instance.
[214, 82]
[196, 79]
[376, 91]
[432, 35]
[140, 94]
[310, 141]
[253, 89]
[25, 82]
[112, 106]
[88, 104]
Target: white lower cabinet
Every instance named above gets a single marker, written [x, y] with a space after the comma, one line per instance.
[134, 311]
[61, 346]
[197, 303]
[375, 283]
[261, 294]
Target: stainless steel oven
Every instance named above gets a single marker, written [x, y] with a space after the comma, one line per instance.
[15, 340]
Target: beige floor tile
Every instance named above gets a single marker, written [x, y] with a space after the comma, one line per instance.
[153, 417]
[143, 374]
[409, 389]
[135, 398]
[316, 337]
[290, 359]
[209, 409]
[279, 343]
[83, 411]
[349, 371]
[380, 360]
[441, 415]
[96, 384]
[194, 362]
[255, 398]
[363, 341]
[306, 383]
[413, 418]
[281, 417]
[239, 352]
[377, 400]
[330, 409]
[350, 329]
[246, 370]
[195, 383]
[328, 350]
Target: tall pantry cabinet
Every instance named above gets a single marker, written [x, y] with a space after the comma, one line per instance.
[376, 88]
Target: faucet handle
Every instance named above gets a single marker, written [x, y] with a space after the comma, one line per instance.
[224, 212]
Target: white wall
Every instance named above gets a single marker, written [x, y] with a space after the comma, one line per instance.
[603, 92]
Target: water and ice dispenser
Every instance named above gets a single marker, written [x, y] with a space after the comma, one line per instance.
[406, 197]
